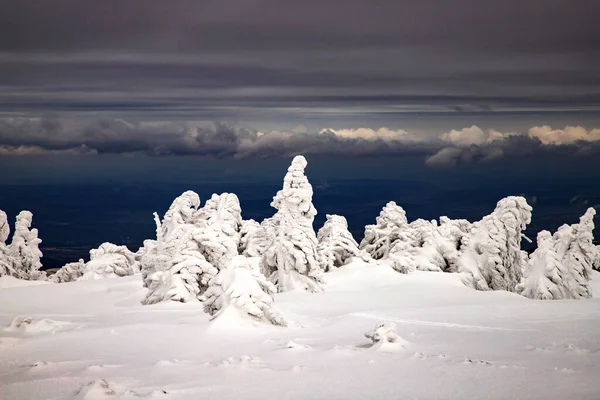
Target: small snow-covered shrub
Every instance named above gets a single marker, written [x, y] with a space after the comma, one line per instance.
[290, 261]
[385, 338]
[241, 289]
[491, 257]
[380, 237]
[336, 244]
[69, 272]
[109, 261]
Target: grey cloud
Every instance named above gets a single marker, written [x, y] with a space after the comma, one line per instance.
[56, 135]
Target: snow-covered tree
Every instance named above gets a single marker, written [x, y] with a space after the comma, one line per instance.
[173, 267]
[6, 267]
[219, 236]
[544, 277]
[69, 272]
[4, 227]
[253, 239]
[291, 258]
[242, 291]
[561, 266]
[580, 255]
[336, 244]
[109, 261]
[491, 257]
[380, 237]
[24, 251]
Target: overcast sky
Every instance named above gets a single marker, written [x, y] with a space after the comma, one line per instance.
[122, 76]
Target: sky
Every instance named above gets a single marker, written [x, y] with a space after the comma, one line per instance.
[456, 82]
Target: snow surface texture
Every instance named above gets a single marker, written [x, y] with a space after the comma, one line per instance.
[491, 257]
[20, 259]
[291, 260]
[336, 245]
[98, 342]
[561, 266]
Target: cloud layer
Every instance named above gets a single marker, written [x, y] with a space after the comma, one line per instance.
[55, 135]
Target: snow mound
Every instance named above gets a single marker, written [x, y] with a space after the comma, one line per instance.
[385, 338]
[110, 261]
[25, 324]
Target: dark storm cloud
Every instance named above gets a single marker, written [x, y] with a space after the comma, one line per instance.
[260, 60]
[58, 135]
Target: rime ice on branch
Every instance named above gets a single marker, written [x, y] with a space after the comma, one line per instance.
[291, 258]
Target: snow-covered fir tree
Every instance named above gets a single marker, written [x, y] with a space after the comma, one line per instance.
[173, 268]
[561, 266]
[380, 237]
[545, 277]
[291, 258]
[241, 291]
[580, 255]
[110, 260]
[491, 257]
[219, 235]
[253, 239]
[6, 265]
[24, 251]
[336, 244]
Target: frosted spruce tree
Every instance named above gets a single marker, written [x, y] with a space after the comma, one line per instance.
[6, 264]
[580, 255]
[380, 237]
[291, 258]
[544, 277]
[218, 236]
[242, 292]
[336, 246]
[491, 257]
[173, 267]
[253, 239]
[24, 251]
[561, 266]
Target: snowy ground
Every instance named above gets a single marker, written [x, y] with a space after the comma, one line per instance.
[94, 340]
